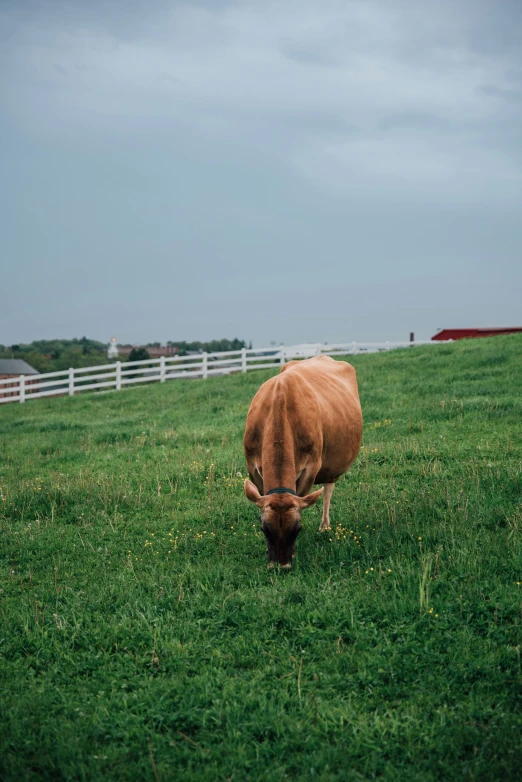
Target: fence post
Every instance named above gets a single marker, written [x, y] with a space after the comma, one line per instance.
[387, 345]
[118, 376]
[205, 365]
[71, 381]
[243, 360]
[282, 356]
[22, 389]
[162, 369]
[354, 348]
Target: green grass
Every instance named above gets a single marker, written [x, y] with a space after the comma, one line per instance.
[143, 637]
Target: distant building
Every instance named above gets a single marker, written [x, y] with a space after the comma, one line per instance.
[162, 350]
[154, 352]
[473, 333]
[14, 367]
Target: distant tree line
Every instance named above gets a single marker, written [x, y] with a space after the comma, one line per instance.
[52, 355]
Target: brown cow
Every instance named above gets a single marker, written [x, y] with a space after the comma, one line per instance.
[304, 426]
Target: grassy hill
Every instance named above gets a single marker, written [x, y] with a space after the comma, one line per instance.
[142, 636]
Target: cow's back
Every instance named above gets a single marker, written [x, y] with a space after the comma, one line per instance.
[322, 408]
[337, 409]
[332, 380]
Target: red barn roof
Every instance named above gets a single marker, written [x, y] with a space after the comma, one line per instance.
[472, 333]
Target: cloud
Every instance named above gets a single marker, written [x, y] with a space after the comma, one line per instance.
[509, 95]
[406, 167]
[288, 75]
[241, 130]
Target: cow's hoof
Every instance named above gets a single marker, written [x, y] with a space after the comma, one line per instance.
[271, 565]
[286, 567]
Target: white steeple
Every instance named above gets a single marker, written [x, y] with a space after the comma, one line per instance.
[112, 352]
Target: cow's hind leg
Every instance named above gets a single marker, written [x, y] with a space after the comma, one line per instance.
[327, 496]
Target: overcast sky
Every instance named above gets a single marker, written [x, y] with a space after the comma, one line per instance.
[266, 169]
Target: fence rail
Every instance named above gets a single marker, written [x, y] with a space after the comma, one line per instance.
[119, 375]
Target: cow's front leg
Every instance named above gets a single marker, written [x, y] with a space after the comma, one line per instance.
[327, 496]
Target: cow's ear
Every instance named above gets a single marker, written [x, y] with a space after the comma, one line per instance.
[312, 498]
[251, 492]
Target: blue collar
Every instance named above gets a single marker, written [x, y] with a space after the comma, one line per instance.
[281, 490]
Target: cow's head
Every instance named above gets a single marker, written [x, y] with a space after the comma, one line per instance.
[280, 516]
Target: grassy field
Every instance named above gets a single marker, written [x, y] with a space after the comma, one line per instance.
[143, 637]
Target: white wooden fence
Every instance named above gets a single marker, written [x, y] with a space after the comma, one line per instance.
[119, 375]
